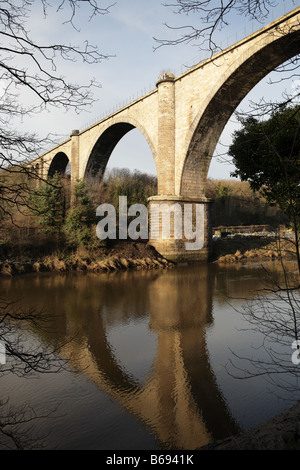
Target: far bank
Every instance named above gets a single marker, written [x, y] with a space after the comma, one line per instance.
[18, 259]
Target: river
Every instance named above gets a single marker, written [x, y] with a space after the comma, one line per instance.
[153, 359]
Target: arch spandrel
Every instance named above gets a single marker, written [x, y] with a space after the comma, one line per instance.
[232, 87]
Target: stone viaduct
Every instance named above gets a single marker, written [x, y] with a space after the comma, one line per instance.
[182, 120]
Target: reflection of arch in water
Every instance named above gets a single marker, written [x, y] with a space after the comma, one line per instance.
[191, 315]
[178, 396]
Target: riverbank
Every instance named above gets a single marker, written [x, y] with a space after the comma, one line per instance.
[282, 432]
[116, 257]
[252, 249]
[126, 255]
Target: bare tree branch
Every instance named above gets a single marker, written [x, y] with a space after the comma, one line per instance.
[212, 16]
[31, 82]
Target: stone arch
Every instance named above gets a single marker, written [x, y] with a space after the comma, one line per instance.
[58, 164]
[103, 147]
[221, 103]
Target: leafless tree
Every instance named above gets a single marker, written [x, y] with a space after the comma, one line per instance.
[24, 358]
[211, 16]
[32, 81]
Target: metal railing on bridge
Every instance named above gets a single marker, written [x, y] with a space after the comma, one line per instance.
[281, 9]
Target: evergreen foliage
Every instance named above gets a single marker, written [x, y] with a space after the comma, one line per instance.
[49, 206]
[266, 153]
[81, 217]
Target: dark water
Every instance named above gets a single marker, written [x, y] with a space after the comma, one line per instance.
[149, 358]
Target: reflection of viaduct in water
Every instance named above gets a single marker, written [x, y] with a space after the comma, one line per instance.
[179, 401]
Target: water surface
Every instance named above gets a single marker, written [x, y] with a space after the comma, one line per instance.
[147, 355]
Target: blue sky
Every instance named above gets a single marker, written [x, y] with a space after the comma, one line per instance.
[127, 33]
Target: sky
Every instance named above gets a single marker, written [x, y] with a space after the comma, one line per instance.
[127, 34]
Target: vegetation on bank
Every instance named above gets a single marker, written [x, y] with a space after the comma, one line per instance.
[49, 210]
[126, 255]
[122, 258]
[266, 154]
[57, 230]
[235, 203]
[253, 249]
